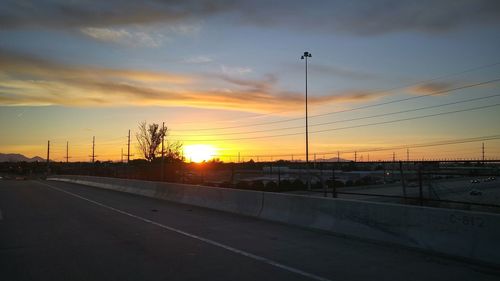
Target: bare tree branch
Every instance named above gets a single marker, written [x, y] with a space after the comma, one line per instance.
[149, 139]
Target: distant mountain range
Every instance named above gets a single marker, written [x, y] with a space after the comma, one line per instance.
[15, 157]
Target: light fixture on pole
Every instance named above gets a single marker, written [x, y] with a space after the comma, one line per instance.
[305, 56]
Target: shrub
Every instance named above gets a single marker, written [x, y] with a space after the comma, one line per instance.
[257, 185]
[271, 186]
[242, 185]
[298, 185]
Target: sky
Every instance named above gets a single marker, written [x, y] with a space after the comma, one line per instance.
[385, 77]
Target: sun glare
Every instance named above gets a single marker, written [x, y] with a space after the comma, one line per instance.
[199, 152]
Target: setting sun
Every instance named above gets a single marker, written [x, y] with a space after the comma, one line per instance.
[199, 152]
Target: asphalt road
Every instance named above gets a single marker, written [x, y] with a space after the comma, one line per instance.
[62, 231]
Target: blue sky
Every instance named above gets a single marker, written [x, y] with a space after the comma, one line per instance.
[71, 70]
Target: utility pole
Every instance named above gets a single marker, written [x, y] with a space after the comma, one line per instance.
[162, 152]
[121, 156]
[93, 149]
[48, 157]
[305, 56]
[67, 152]
[407, 155]
[483, 153]
[239, 157]
[394, 157]
[128, 148]
[355, 156]
[338, 156]
[128, 155]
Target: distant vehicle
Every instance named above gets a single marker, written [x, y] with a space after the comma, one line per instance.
[474, 181]
[475, 192]
[492, 178]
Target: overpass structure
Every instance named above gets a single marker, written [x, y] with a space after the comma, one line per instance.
[63, 230]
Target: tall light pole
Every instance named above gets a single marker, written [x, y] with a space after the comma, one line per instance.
[305, 56]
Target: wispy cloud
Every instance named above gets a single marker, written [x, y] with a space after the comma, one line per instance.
[185, 29]
[326, 70]
[429, 88]
[198, 60]
[265, 84]
[351, 96]
[235, 70]
[27, 80]
[122, 36]
[28, 67]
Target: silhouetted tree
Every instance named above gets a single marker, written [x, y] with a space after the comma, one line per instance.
[149, 142]
[173, 151]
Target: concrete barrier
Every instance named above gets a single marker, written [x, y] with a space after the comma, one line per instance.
[464, 234]
[243, 202]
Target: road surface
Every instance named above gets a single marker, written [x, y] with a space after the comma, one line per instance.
[62, 231]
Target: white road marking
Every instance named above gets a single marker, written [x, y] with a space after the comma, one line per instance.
[208, 241]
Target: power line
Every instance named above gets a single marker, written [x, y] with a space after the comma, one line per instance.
[472, 69]
[410, 118]
[351, 109]
[431, 144]
[347, 120]
[351, 127]
[390, 148]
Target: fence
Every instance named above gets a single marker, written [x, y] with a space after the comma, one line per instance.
[470, 185]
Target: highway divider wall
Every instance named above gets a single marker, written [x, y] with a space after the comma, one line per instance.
[237, 201]
[464, 234]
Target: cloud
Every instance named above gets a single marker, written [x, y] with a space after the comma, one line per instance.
[235, 70]
[351, 96]
[372, 17]
[77, 14]
[28, 67]
[258, 85]
[198, 60]
[352, 17]
[429, 88]
[321, 69]
[123, 36]
[185, 29]
[342, 72]
[27, 80]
